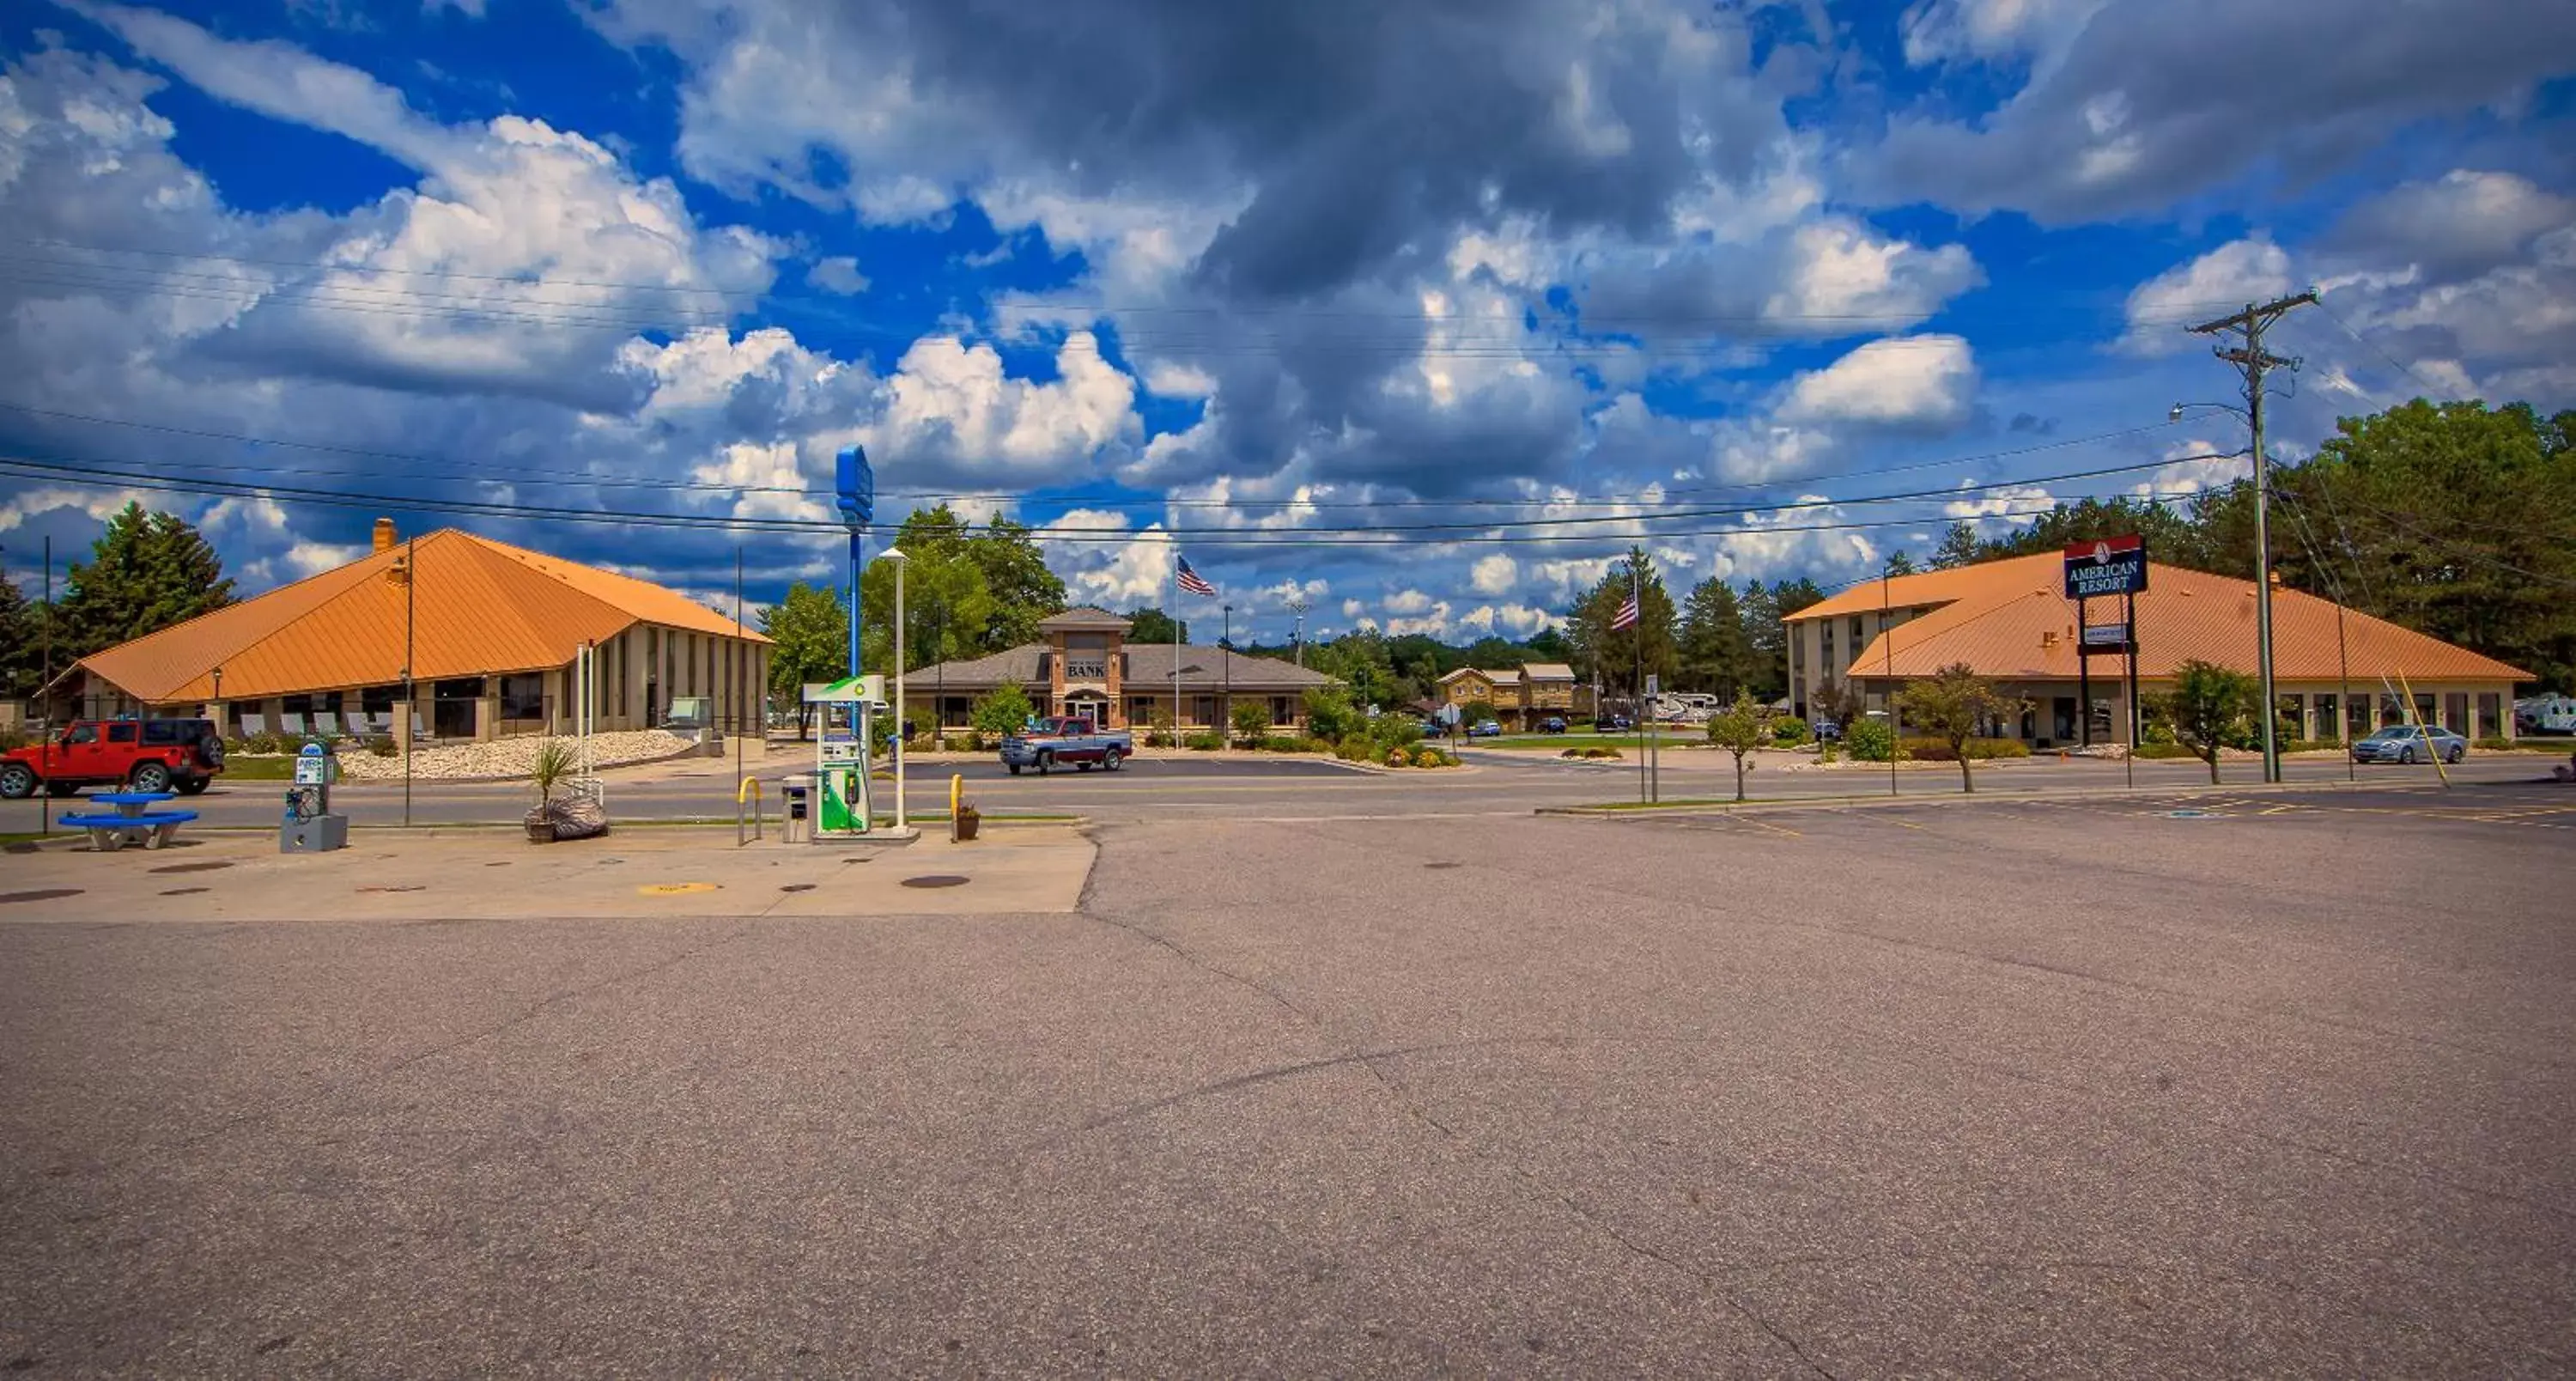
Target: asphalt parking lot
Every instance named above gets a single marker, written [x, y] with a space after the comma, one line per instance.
[2278, 1086]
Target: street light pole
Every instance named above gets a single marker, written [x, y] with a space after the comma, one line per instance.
[902, 821]
[1225, 649]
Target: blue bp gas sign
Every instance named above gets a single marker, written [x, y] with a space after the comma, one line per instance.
[854, 485]
[2107, 566]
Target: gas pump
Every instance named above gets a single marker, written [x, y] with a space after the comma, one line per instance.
[309, 826]
[846, 710]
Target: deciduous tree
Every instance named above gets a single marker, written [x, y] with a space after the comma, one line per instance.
[2210, 707]
[1951, 705]
[811, 632]
[1739, 729]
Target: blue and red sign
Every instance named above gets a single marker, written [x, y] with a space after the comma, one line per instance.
[2106, 566]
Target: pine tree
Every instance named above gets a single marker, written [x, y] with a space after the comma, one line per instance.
[1616, 653]
[1714, 655]
[21, 642]
[147, 572]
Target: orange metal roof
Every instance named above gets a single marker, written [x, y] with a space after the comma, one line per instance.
[2011, 619]
[479, 608]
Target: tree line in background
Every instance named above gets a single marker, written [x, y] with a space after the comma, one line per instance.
[146, 572]
[2454, 519]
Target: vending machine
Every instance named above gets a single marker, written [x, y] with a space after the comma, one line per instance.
[845, 712]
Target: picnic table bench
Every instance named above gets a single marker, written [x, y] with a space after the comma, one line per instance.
[134, 819]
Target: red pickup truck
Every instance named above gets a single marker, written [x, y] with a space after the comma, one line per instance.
[182, 755]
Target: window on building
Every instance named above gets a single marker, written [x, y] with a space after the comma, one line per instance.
[1283, 709]
[1856, 626]
[2329, 717]
[2455, 712]
[523, 697]
[2490, 706]
[2356, 716]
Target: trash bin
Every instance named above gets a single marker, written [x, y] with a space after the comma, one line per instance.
[797, 823]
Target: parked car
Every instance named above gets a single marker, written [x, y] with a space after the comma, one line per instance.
[1553, 724]
[1827, 731]
[1612, 723]
[182, 755]
[1484, 728]
[1067, 742]
[2410, 743]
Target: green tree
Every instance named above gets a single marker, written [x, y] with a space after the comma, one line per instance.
[947, 611]
[1615, 654]
[1251, 720]
[2210, 707]
[1739, 729]
[1001, 711]
[145, 573]
[1019, 589]
[1959, 547]
[1152, 625]
[22, 637]
[1493, 654]
[811, 632]
[1713, 654]
[1476, 712]
[1952, 705]
[1766, 630]
[1330, 715]
[1900, 564]
[1358, 659]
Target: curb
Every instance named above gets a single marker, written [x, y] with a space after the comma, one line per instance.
[1619, 811]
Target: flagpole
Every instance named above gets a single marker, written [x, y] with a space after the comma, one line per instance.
[1637, 630]
[1175, 744]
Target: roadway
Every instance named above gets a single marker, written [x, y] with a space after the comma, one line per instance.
[1494, 783]
[2010, 1086]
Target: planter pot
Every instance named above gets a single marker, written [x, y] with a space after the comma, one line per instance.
[574, 817]
[968, 821]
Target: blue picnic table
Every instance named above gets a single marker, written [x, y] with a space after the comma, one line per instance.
[135, 818]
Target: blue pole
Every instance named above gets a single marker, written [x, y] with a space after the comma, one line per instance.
[858, 555]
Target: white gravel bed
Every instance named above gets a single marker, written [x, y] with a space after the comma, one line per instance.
[508, 757]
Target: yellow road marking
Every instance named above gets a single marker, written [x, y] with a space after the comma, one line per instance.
[674, 889]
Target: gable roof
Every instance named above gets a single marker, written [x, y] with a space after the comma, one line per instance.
[2012, 619]
[1548, 671]
[477, 607]
[1085, 618]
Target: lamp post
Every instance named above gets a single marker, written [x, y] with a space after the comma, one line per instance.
[1225, 649]
[219, 700]
[902, 821]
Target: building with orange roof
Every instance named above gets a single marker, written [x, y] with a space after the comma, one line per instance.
[490, 632]
[2339, 672]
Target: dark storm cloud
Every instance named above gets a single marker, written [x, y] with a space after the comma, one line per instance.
[2160, 99]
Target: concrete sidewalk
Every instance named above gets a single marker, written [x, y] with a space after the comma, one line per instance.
[498, 875]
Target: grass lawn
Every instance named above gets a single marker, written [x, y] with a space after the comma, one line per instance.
[1667, 739]
[241, 769]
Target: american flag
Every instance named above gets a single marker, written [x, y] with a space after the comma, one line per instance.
[1192, 581]
[1627, 615]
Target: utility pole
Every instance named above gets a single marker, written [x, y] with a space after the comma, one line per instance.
[1297, 606]
[2249, 326]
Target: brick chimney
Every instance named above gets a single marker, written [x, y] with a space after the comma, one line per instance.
[384, 535]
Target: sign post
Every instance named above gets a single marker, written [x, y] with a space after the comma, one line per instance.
[2100, 568]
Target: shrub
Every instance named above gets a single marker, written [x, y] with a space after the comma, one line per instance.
[1824, 752]
[264, 743]
[1355, 749]
[383, 747]
[1331, 716]
[1001, 711]
[2153, 751]
[2496, 743]
[1429, 757]
[1979, 749]
[1297, 744]
[1251, 721]
[1869, 740]
[1204, 743]
[1397, 757]
[1788, 731]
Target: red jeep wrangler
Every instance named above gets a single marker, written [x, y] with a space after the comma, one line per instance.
[181, 755]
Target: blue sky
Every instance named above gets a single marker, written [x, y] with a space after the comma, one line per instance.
[1418, 313]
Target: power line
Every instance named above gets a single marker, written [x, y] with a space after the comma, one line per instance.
[2394, 363]
[1391, 535]
[517, 477]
